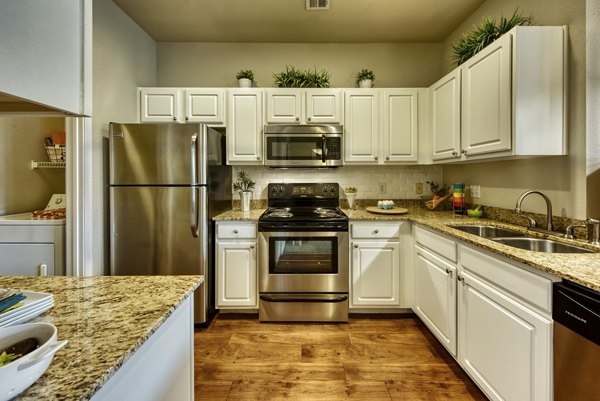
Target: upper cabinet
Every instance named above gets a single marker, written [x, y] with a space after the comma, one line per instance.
[512, 99]
[198, 105]
[303, 106]
[47, 54]
[381, 126]
[244, 126]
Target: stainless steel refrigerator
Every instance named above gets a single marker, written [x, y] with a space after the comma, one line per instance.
[166, 182]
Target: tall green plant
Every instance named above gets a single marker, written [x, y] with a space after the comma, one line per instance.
[471, 43]
[293, 78]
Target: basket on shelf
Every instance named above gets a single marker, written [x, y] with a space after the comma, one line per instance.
[56, 153]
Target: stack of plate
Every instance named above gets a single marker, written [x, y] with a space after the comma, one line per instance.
[32, 306]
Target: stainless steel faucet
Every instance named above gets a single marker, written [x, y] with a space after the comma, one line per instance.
[549, 225]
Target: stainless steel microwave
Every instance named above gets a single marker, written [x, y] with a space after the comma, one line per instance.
[303, 145]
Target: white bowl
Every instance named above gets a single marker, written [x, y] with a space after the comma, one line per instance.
[21, 373]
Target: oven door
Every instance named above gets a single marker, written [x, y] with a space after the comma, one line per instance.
[303, 262]
[306, 150]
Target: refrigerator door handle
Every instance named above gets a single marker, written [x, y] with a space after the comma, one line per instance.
[202, 158]
[194, 212]
[194, 159]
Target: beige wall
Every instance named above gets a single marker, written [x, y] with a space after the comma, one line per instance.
[563, 178]
[124, 58]
[216, 64]
[21, 188]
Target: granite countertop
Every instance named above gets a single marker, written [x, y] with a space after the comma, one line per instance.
[106, 320]
[581, 268]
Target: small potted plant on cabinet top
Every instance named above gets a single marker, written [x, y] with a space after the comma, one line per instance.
[244, 185]
[245, 78]
[365, 78]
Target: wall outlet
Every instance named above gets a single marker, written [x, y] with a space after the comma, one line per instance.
[382, 188]
[419, 188]
[475, 191]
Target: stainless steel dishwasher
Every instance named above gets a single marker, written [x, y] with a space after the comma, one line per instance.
[576, 313]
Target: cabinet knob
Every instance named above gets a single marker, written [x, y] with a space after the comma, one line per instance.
[235, 231]
[257, 157]
[376, 158]
[454, 153]
[251, 246]
[297, 118]
[387, 158]
[449, 272]
[187, 118]
[464, 151]
[460, 278]
[356, 246]
[309, 118]
[375, 231]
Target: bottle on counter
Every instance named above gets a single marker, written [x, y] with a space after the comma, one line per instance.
[458, 201]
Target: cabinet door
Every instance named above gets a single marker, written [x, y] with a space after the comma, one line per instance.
[361, 127]
[284, 106]
[400, 125]
[323, 106]
[205, 106]
[445, 116]
[159, 105]
[375, 274]
[236, 274]
[27, 259]
[486, 99]
[435, 297]
[504, 346]
[244, 127]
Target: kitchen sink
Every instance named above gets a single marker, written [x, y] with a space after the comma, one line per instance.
[541, 245]
[487, 231]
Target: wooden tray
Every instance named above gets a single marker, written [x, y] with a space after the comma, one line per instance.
[396, 210]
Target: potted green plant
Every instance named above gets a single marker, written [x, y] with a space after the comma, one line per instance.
[438, 190]
[244, 185]
[293, 78]
[245, 78]
[365, 78]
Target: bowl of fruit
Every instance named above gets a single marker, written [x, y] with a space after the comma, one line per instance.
[26, 351]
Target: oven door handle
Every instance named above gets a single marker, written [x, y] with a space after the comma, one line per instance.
[323, 150]
[300, 298]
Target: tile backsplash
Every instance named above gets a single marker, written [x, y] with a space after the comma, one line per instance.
[398, 181]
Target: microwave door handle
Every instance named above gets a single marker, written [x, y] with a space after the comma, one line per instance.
[323, 149]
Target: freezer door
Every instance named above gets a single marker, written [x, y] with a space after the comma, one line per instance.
[160, 231]
[157, 154]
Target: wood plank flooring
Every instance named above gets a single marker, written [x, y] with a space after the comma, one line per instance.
[370, 358]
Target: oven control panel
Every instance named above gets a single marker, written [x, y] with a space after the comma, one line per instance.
[291, 191]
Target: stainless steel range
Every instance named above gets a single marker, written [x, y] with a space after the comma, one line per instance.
[303, 255]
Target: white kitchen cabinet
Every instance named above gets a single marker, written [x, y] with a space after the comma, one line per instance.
[512, 99]
[435, 296]
[399, 137]
[445, 116]
[244, 126]
[504, 327]
[375, 265]
[236, 277]
[303, 106]
[362, 120]
[198, 105]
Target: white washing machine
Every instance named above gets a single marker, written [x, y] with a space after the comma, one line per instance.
[31, 247]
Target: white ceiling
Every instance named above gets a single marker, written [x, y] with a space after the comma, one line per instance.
[287, 21]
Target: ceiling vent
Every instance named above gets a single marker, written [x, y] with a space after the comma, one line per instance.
[312, 5]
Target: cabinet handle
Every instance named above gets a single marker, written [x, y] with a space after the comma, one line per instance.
[251, 246]
[376, 158]
[454, 153]
[43, 269]
[387, 158]
[464, 151]
[187, 118]
[257, 157]
[174, 118]
[375, 231]
[235, 231]
[460, 278]
[449, 272]
[297, 118]
[356, 246]
[309, 118]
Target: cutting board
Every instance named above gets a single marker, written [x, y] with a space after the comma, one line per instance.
[395, 210]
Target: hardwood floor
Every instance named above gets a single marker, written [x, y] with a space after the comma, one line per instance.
[370, 358]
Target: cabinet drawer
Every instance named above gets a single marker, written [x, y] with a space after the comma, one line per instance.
[375, 230]
[444, 247]
[527, 286]
[236, 231]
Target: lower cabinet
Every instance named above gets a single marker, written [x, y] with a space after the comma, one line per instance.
[236, 278]
[435, 296]
[375, 265]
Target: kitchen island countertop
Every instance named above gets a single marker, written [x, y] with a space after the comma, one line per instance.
[581, 268]
[105, 319]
